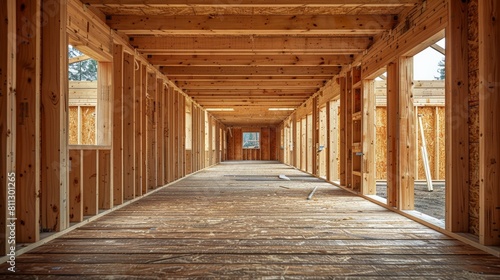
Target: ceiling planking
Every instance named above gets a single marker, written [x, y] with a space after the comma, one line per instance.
[251, 55]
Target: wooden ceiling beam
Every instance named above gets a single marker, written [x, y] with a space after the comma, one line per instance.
[232, 45]
[247, 78]
[259, 3]
[246, 84]
[255, 24]
[250, 60]
[249, 71]
[268, 92]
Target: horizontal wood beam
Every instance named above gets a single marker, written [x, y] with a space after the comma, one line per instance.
[251, 24]
[250, 71]
[269, 45]
[247, 78]
[250, 60]
[292, 3]
[246, 92]
[250, 84]
[78, 59]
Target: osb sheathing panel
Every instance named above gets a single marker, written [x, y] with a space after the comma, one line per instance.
[73, 125]
[381, 143]
[428, 123]
[430, 131]
[442, 142]
[88, 125]
[473, 42]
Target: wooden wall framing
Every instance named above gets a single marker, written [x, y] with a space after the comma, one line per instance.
[62, 183]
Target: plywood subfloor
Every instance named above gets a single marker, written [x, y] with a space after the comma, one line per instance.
[238, 220]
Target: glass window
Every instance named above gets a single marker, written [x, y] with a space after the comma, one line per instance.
[251, 140]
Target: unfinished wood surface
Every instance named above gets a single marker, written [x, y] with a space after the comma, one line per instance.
[368, 138]
[381, 143]
[144, 128]
[457, 112]
[406, 135]
[138, 128]
[88, 125]
[151, 131]
[159, 132]
[489, 102]
[104, 107]
[90, 175]
[128, 126]
[7, 113]
[28, 125]
[392, 133]
[76, 187]
[105, 182]
[239, 220]
[54, 119]
[342, 132]
[117, 149]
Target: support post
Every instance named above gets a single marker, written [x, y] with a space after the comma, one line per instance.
[489, 102]
[117, 149]
[54, 117]
[368, 138]
[28, 121]
[7, 115]
[128, 126]
[457, 114]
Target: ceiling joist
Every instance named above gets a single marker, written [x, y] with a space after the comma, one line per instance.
[256, 24]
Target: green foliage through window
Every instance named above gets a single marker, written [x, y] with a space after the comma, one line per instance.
[84, 70]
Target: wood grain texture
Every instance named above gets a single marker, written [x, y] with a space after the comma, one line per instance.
[239, 220]
[117, 142]
[7, 112]
[28, 121]
[457, 112]
[489, 102]
[54, 119]
[128, 126]
[90, 183]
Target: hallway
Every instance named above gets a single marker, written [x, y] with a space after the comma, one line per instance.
[239, 220]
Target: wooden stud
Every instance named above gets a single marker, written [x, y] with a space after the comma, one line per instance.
[332, 141]
[457, 115]
[406, 137]
[392, 133]
[28, 125]
[90, 182]
[159, 132]
[315, 137]
[117, 149]
[368, 138]
[151, 130]
[489, 102]
[348, 129]
[343, 136]
[7, 117]
[105, 180]
[164, 120]
[128, 126]
[138, 107]
[54, 118]
[144, 128]
[76, 186]
[170, 134]
[183, 135]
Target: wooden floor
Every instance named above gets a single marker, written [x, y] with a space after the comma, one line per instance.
[239, 220]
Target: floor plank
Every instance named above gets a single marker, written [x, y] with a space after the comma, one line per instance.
[238, 220]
